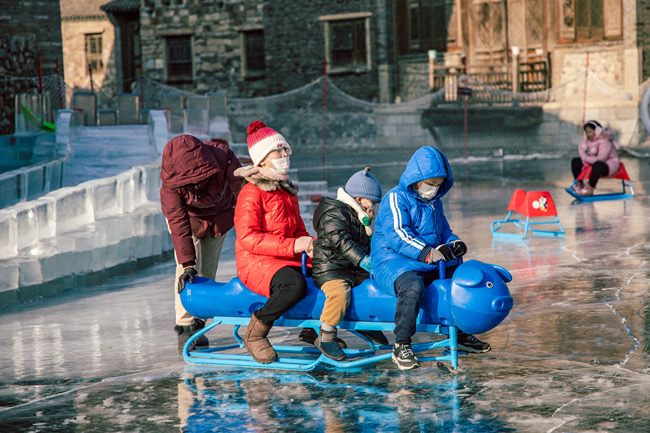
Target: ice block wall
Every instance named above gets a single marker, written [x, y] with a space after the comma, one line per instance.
[77, 235]
[74, 231]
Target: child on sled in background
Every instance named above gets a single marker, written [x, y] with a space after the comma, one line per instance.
[271, 236]
[341, 254]
[411, 236]
[597, 149]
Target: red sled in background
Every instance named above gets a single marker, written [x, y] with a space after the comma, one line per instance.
[532, 204]
[620, 174]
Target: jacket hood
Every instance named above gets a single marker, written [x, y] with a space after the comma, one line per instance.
[187, 160]
[427, 162]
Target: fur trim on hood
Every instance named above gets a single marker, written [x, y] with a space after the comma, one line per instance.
[266, 179]
[346, 198]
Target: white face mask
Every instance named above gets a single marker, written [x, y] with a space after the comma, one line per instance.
[427, 192]
[371, 210]
[281, 165]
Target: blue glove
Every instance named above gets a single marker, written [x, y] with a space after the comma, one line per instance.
[365, 264]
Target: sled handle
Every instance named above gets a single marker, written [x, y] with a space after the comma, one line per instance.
[442, 265]
[303, 262]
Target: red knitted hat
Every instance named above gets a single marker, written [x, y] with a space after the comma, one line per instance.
[263, 140]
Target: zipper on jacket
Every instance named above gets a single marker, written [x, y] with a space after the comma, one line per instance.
[435, 221]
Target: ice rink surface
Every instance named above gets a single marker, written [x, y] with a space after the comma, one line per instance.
[572, 356]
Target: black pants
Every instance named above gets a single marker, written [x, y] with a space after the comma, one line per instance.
[288, 286]
[409, 288]
[598, 170]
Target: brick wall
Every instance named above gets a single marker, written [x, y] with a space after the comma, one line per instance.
[42, 18]
[294, 44]
[27, 29]
[214, 26]
[76, 73]
[294, 39]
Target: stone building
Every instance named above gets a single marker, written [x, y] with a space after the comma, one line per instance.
[379, 49]
[88, 40]
[28, 29]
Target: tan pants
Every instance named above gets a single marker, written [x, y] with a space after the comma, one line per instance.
[208, 251]
[337, 299]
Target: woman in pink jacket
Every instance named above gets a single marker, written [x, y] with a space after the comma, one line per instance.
[271, 236]
[598, 150]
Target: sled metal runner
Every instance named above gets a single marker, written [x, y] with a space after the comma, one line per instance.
[302, 358]
[621, 175]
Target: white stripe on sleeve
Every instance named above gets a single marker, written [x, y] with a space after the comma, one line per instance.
[397, 224]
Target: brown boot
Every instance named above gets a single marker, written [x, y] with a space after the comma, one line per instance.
[256, 342]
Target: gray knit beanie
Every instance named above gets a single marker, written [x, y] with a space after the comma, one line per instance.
[365, 185]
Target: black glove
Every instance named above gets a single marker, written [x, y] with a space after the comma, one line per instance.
[446, 252]
[188, 275]
[458, 248]
[441, 252]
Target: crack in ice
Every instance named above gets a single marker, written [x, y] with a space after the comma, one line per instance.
[627, 329]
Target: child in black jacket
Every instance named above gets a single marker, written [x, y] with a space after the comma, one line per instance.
[341, 254]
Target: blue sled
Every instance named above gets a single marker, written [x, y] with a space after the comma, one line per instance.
[602, 197]
[475, 299]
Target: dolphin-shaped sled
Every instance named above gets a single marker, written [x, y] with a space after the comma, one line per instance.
[475, 299]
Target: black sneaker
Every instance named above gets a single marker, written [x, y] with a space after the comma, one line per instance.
[404, 357]
[469, 343]
[185, 332]
[376, 337]
[308, 335]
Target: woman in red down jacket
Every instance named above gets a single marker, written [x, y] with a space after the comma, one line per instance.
[271, 236]
[198, 195]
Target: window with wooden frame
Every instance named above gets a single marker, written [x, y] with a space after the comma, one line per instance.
[178, 58]
[427, 25]
[347, 42]
[252, 53]
[93, 49]
[591, 20]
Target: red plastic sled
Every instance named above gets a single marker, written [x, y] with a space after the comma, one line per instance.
[620, 174]
[532, 204]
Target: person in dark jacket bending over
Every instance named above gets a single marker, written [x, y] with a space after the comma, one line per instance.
[411, 236]
[198, 195]
[341, 252]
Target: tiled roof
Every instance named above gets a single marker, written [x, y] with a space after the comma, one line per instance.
[81, 8]
[122, 6]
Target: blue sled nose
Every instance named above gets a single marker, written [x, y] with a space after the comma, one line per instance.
[502, 303]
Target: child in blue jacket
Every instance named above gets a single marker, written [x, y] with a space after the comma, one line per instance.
[411, 236]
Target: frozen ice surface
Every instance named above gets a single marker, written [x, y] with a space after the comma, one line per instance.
[99, 152]
[572, 356]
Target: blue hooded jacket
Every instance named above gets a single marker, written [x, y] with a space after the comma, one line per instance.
[407, 227]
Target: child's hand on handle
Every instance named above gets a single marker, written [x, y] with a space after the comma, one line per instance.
[304, 244]
[458, 248]
[441, 252]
